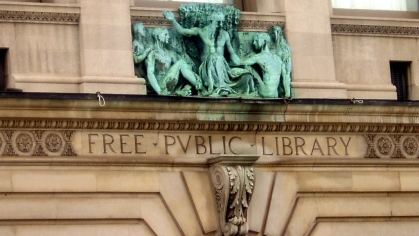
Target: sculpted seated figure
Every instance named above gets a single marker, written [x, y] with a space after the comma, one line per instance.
[214, 69]
[164, 68]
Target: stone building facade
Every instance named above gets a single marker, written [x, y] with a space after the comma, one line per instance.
[341, 158]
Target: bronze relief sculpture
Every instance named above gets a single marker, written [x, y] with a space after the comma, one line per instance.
[205, 55]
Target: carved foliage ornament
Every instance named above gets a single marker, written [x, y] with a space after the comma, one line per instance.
[233, 184]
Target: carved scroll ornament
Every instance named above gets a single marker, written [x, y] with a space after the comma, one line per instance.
[233, 180]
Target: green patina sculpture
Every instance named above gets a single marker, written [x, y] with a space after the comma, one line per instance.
[268, 62]
[207, 56]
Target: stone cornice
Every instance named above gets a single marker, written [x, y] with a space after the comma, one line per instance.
[208, 126]
[375, 30]
[40, 13]
[375, 26]
[177, 113]
[153, 17]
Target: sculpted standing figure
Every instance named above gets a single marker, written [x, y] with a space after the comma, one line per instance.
[214, 69]
[282, 49]
[268, 62]
[140, 48]
[164, 68]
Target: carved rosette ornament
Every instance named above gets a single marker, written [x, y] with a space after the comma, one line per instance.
[384, 145]
[392, 146]
[24, 142]
[37, 143]
[410, 146]
[233, 180]
[53, 142]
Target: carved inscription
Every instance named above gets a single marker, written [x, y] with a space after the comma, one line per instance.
[205, 145]
[300, 146]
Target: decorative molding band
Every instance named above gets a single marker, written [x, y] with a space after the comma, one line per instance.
[377, 30]
[254, 25]
[36, 143]
[392, 146]
[39, 17]
[233, 180]
[245, 25]
[154, 21]
[205, 126]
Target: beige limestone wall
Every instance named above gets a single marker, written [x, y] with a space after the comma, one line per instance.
[43, 46]
[46, 54]
[328, 200]
[68, 193]
[92, 52]
[363, 49]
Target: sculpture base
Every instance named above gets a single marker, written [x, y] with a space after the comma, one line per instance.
[319, 90]
[113, 85]
[373, 91]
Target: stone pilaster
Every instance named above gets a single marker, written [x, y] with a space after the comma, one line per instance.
[106, 48]
[309, 34]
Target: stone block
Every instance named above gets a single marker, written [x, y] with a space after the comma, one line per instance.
[176, 196]
[47, 87]
[97, 207]
[324, 181]
[5, 181]
[15, 208]
[259, 205]
[53, 181]
[313, 68]
[405, 206]
[303, 217]
[85, 229]
[201, 191]
[108, 63]
[281, 204]
[346, 206]
[160, 219]
[128, 181]
[376, 181]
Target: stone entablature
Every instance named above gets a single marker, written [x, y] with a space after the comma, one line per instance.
[199, 130]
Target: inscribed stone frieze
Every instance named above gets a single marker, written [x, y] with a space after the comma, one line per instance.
[176, 144]
[196, 144]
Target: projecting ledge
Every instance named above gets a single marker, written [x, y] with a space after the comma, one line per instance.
[174, 109]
